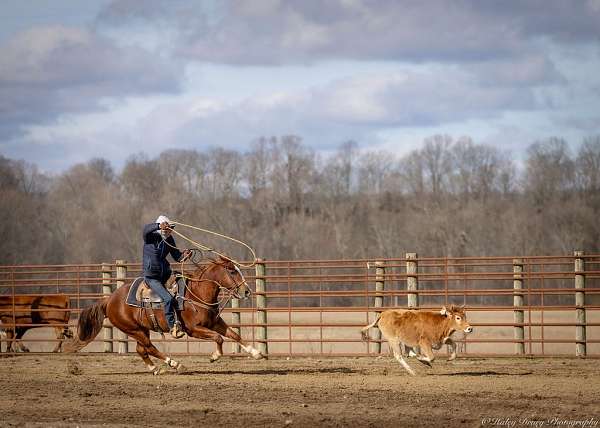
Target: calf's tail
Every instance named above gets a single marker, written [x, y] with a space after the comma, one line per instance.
[364, 332]
[88, 326]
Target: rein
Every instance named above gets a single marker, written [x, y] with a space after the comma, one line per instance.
[220, 304]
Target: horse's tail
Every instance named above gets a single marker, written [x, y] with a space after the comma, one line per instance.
[364, 332]
[88, 327]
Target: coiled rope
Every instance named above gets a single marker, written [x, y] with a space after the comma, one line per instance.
[212, 250]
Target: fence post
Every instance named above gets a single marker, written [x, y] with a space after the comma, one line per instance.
[412, 282]
[236, 319]
[261, 306]
[107, 290]
[580, 333]
[121, 277]
[519, 314]
[379, 286]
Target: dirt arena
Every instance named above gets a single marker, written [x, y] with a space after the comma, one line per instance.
[115, 391]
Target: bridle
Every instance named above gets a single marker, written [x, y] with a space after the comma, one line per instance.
[228, 292]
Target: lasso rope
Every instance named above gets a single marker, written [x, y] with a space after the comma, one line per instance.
[212, 250]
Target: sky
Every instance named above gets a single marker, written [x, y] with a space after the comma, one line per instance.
[115, 78]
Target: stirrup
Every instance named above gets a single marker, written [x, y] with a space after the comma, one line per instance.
[176, 332]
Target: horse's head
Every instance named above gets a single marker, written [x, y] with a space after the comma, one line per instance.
[229, 276]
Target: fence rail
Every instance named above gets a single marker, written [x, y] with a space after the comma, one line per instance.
[543, 305]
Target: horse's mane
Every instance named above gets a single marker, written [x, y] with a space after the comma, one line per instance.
[202, 266]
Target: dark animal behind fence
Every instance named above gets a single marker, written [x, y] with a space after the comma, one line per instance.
[42, 311]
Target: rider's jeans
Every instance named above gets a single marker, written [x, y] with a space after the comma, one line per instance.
[160, 289]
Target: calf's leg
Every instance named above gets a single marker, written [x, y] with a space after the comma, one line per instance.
[426, 356]
[451, 348]
[395, 346]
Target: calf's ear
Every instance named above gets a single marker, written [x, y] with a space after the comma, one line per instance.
[444, 311]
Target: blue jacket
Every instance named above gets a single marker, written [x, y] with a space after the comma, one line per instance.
[156, 250]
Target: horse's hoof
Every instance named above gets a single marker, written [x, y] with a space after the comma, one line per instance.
[158, 371]
[427, 363]
[214, 357]
[259, 356]
[181, 368]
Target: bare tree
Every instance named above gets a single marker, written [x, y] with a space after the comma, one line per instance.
[437, 163]
[445, 198]
[549, 170]
[588, 165]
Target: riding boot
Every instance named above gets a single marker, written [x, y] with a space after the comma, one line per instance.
[176, 331]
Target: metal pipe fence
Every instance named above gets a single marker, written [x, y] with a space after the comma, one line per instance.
[518, 306]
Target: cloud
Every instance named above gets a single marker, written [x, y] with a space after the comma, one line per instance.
[373, 68]
[525, 71]
[293, 32]
[352, 108]
[47, 72]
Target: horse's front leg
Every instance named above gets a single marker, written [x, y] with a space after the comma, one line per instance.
[222, 328]
[200, 332]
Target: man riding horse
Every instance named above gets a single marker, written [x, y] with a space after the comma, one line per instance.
[158, 244]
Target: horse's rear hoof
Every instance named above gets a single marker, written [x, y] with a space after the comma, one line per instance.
[159, 370]
[427, 363]
[259, 356]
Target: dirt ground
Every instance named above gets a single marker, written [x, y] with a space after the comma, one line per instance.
[115, 391]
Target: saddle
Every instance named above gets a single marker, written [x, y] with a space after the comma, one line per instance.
[142, 296]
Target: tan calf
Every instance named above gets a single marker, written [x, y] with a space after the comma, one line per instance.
[420, 330]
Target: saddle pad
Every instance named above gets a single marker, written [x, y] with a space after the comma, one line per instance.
[142, 296]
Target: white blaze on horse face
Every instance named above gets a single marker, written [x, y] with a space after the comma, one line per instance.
[240, 272]
[246, 293]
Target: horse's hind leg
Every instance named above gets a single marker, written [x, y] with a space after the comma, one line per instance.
[145, 347]
[222, 328]
[143, 352]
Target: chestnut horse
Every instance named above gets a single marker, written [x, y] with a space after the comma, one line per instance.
[199, 317]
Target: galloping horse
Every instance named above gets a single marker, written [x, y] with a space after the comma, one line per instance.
[199, 317]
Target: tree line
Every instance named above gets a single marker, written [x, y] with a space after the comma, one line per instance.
[446, 198]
